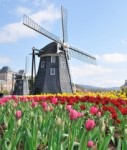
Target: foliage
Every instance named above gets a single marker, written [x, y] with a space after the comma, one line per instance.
[61, 122]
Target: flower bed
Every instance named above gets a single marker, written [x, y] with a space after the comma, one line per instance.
[63, 122]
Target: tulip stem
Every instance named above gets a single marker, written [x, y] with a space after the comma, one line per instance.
[83, 141]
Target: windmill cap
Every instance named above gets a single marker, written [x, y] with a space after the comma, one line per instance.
[49, 49]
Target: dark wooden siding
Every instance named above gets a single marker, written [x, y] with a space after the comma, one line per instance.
[65, 80]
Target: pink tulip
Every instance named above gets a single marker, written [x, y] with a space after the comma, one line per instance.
[34, 104]
[93, 110]
[46, 109]
[54, 100]
[2, 103]
[73, 114]
[18, 114]
[44, 104]
[80, 114]
[68, 107]
[98, 114]
[90, 124]
[90, 144]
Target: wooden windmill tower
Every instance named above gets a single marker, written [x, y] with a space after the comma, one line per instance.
[53, 74]
[21, 86]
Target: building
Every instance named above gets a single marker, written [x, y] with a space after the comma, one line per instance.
[6, 79]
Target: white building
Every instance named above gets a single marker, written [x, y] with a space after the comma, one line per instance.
[6, 79]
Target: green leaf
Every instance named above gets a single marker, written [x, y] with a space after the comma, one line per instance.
[119, 145]
[124, 145]
[83, 141]
[105, 143]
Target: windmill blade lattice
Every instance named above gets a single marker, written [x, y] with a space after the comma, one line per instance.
[64, 24]
[33, 25]
[77, 53]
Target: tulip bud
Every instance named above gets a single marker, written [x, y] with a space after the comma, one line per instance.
[18, 114]
[98, 114]
[31, 113]
[125, 131]
[60, 106]
[40, 119]
[90, 144]
[19, 121]
[58, 121]
[103, 128]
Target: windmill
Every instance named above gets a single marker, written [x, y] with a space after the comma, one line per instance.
[53, 74]
[21, 86]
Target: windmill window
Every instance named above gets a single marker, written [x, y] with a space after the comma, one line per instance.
[42, 64]
[53, 59]
[52, 71]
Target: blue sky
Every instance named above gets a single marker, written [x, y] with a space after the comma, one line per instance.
[97, 27]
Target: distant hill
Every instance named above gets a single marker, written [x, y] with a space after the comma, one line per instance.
[94, 88]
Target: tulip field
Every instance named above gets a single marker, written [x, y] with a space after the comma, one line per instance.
[82, 121]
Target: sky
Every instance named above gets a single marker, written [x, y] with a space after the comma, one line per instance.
[94, 26]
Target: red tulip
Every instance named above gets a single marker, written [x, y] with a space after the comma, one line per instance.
[82, 107]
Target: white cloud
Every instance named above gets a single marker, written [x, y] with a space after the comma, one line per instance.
[48, 15]
[104, 82]
[90, 70]
[4, 60]
[22, 10]
[100, 76]
[13, 32]
[113, 58]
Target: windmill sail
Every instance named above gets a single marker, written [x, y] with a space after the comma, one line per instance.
[75, 52]
[79, 54]
[33, 25]
[64, 24]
